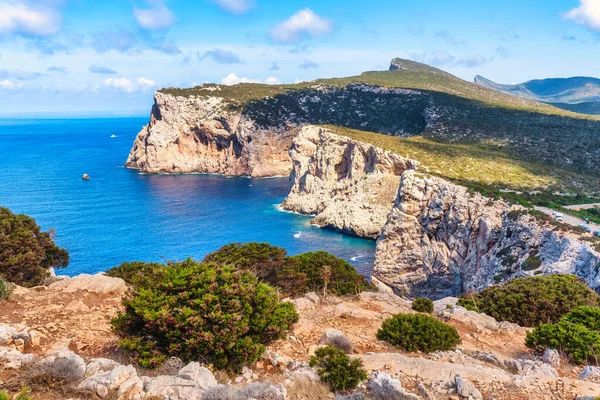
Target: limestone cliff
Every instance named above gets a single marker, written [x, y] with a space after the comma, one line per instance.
[348, 185]
[440, 240]
[204, 135]
[217, 129]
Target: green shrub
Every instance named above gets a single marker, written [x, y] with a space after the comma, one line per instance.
[534, 300]
[418, 332]
[26, 253]
[337, 370]
[423, 305]
[344, 278]
[136, 272]
[586, 316]
[581, 344]
[23, 394]
[214, 313]
[294, 276]
[6, 289]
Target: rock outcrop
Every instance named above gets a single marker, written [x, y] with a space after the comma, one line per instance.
[441, 240]
[203, 135]
[348, 185]
[217, 130]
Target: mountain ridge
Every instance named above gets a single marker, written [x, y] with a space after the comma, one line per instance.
[563, 93]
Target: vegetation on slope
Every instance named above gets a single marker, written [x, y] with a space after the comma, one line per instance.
[414, 75]
[487, 168]
[533, 301]
[210, 312]
[26, 253]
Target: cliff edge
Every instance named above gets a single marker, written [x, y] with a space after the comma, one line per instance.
[348, 185]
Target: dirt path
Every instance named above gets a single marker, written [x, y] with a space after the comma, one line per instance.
[583, 206]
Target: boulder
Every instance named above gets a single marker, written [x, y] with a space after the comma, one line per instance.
[172, 387]
[202, 376]
[99, 283]
[312, 296]
[303, 304]
[334, 337]
[552, 357]
[12, 359]
[102, 383]
[466, 390]
[99, 365]
[384, 387]
[6, 334]
[590, 373]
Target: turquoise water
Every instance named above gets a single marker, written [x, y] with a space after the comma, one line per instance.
[121, 215]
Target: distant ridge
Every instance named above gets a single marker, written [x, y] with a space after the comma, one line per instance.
[578, 94]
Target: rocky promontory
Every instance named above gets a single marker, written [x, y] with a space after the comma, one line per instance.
[202, 135]
[442, 240]
[348, 185]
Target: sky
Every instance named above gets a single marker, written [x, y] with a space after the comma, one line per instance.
[109, 56]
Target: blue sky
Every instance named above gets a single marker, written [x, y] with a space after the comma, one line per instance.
[86, 55]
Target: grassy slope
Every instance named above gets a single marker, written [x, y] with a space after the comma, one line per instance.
[416, 76]
[483, 167]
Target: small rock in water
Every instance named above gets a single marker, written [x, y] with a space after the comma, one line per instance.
[85, 177]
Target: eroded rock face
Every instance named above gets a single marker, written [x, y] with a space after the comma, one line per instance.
[202, 135]
[209, 133]
[348, 185]
[440, 240]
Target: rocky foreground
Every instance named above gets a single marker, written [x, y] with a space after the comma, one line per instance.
[56, 339]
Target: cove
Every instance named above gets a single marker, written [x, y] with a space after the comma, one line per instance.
[121, 215]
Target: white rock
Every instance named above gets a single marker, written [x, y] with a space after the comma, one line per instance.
[303, 304]
[552, 357]
[6, 334]
[169, 387]
[102, 383]
[99, 283]
[198, 374]
[336, 338]
[312, 296]
[384, 387]
[466, 390]
[590, 373]
[62, 364]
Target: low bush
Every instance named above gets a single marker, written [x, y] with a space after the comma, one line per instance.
[136, 272]
[418, 332]
[26, 253]
[343, 280]
[23, 395]
[581, 344]
[295, 275]
[337, 370]
[201, 311]
[6, 289]
[586, 316]
[423, 305]
[534, 300]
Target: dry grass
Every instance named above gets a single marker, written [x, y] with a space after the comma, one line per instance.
[304, 389]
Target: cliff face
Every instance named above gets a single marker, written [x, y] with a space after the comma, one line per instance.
[209, 132]
[202, 135]
[346, 184]
[440, 240]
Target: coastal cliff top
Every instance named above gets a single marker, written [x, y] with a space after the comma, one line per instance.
[403, 74]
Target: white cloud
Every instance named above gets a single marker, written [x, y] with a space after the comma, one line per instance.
[145, 83]
[6, 84]
[235, 6]
[303, 23]
[232, 79]
[120, 84]
[588, 14]
[158, 16]
[272, 81]
[20, 18]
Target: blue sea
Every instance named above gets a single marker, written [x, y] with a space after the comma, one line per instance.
[121, 215]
